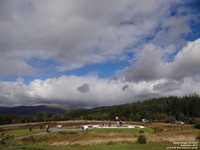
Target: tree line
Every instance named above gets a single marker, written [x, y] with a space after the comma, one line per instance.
[163, 109]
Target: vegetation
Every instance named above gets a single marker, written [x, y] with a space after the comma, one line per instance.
[142, 139]
[158, 134]
[198, 137]
[150, 146]
[121, 131]
[19, 131]
[104, 139]
[197, 125]
[23, 132]
[165, 109]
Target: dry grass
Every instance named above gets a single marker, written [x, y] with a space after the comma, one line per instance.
[94, 139]
[165, 133]
[173, 133]
[78, 139]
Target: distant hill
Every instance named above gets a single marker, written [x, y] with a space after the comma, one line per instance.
[32, 110]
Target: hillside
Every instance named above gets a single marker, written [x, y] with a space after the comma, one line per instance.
[33, 110]
[164, 109]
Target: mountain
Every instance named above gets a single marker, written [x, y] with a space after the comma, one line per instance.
[32, 110]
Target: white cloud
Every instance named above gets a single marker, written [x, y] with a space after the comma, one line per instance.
[151, 66]
[186, 62]
[96, 31]
[77, 33]
[90, 91]
[148, 65]
[15, 66]
[172, 30]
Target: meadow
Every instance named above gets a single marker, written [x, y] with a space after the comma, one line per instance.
[159, 136]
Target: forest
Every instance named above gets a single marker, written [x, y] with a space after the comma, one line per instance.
[163, 109]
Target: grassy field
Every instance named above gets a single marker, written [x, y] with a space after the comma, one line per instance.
[122, 131]
[23, 132]
[150, 146]
[159, 136]
[19, 131]
[136, 146]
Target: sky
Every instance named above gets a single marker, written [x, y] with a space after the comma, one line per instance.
[91, 53]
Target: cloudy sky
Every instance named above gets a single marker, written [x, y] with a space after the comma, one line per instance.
[89, 53]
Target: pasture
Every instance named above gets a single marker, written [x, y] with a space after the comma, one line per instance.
[159, 136]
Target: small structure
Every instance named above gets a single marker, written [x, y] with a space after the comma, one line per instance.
[85, 127]
[145, 120]
[179, 122]
[59, 126]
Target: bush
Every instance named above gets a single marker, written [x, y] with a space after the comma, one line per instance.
[41, 127]
[198, 137]
[192, 120]
[197, 126]
[141, 139]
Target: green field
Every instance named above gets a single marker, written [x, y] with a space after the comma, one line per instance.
[23, 132]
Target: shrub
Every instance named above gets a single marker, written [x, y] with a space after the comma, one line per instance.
[198, 137]
[197, 126]
[141, 139]
[41, 127]
[192, 120]
[110, 143]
